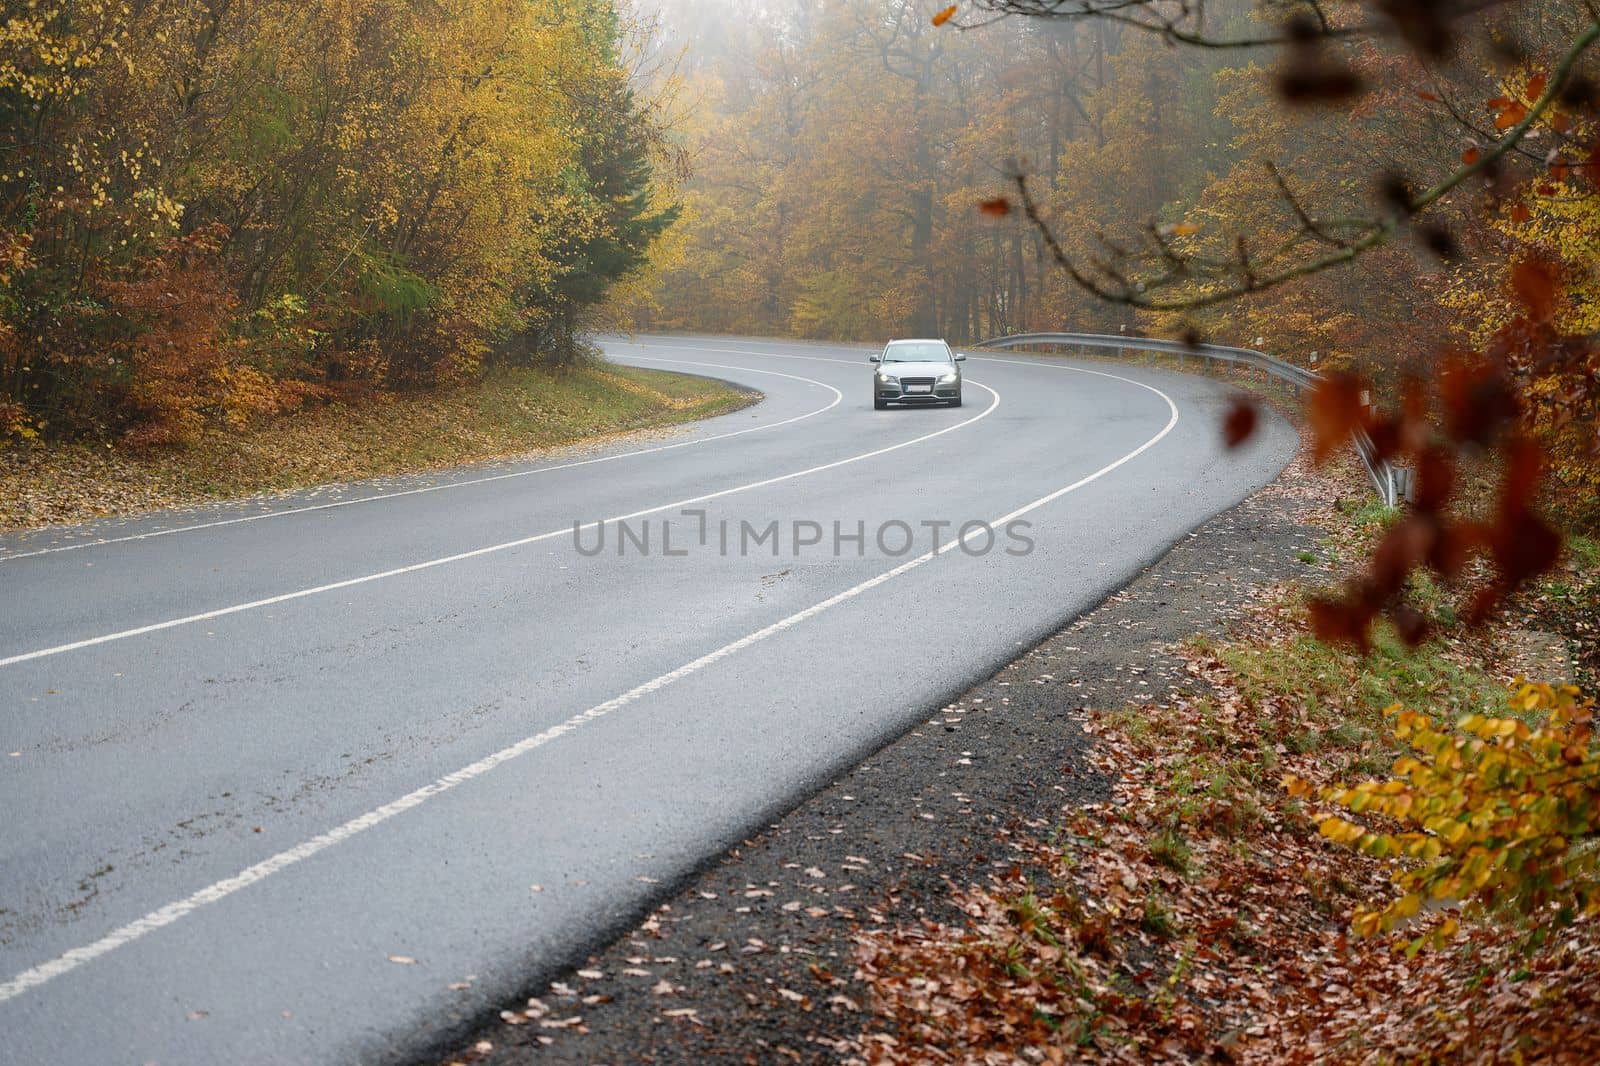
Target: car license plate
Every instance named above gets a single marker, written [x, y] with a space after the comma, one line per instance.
[919, 388]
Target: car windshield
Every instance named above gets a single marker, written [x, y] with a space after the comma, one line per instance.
[917, 352]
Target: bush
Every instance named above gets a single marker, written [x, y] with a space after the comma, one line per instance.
[1495, 815]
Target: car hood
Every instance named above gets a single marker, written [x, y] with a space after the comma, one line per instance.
[917, 370]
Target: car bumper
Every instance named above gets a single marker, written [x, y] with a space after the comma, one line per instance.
[898, 394]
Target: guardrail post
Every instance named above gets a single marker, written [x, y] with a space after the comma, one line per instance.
[1402, 484]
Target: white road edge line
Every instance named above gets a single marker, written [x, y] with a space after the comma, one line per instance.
[172, 912]
[838, 397]
[220, 612]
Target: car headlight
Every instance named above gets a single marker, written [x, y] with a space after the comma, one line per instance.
[948, 379]
[888, 379]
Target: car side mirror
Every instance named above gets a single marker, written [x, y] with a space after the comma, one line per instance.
[961, 357]
[874, 358]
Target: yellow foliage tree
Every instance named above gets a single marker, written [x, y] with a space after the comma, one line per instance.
[393, 188]
[1496, 814]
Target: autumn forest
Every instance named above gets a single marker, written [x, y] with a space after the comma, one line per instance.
[219, 211]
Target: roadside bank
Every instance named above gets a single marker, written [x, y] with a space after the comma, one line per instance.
[510, 413]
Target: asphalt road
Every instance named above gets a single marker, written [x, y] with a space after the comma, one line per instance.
[319, 778]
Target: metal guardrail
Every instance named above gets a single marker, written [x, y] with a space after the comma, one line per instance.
[1386, 480]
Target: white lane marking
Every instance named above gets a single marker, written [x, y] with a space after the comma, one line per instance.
[1038, 361]
[1043, 362]
[155, 920]
[491, 549]
[837, 398]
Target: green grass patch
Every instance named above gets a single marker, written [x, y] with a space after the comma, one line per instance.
[1368, 511]
[511, 412]
[1157, 918]
[1309, 697]
[1329, 683]
[1583, 553]
[1171, 850]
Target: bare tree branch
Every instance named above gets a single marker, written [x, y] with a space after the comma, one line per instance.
[1183, 21]
[1243, 276]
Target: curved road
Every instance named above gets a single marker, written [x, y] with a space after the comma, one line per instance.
[316, 778]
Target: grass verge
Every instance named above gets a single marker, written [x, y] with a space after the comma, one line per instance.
[509, 413]
[1198, 914]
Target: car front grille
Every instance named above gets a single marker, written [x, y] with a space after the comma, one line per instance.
[908, 382]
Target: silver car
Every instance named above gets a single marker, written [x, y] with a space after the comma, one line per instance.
[916, 371]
